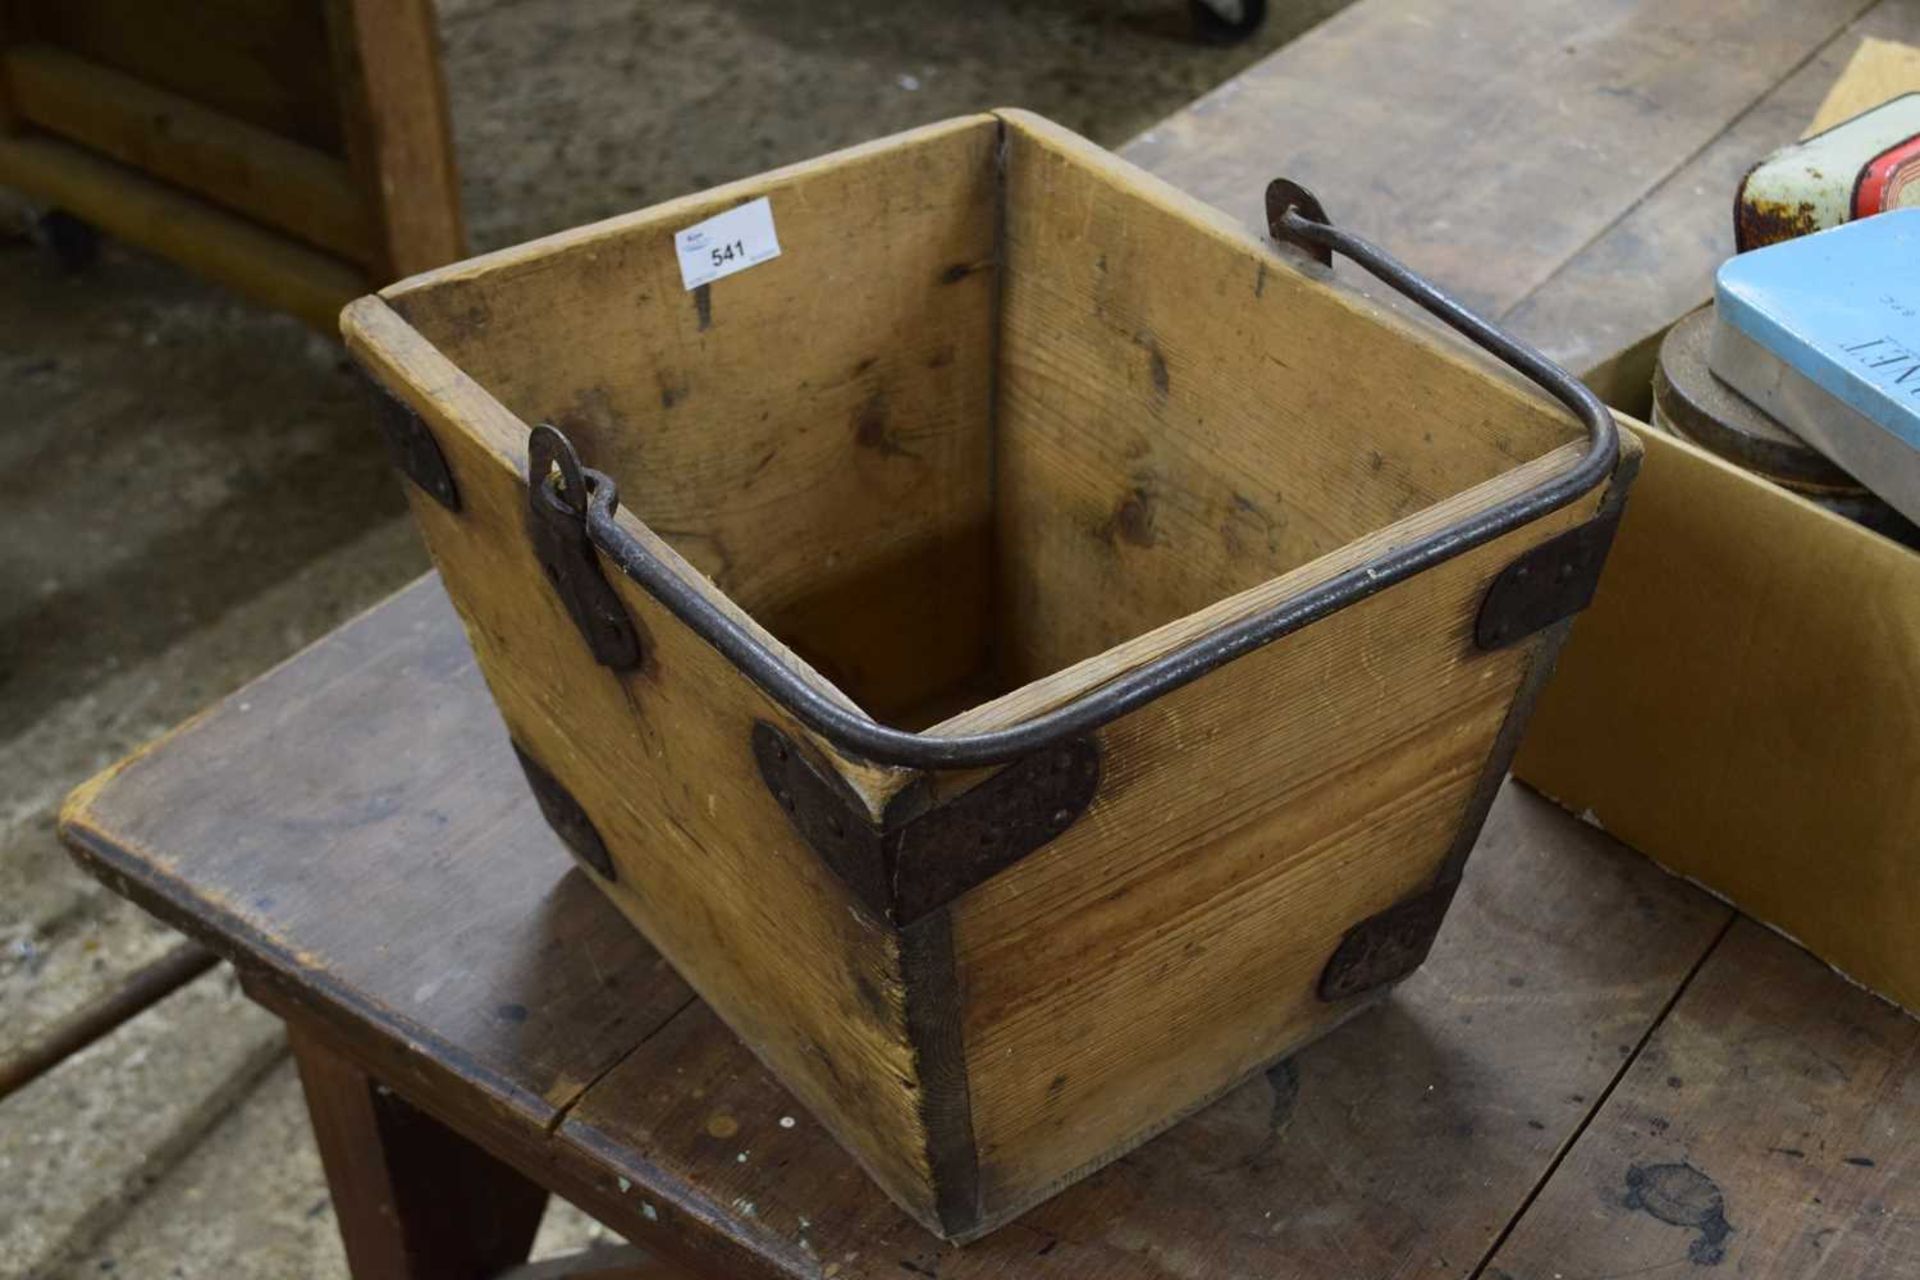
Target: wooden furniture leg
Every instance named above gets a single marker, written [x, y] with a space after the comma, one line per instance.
[415, 1200]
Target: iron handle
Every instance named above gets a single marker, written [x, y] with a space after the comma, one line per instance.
[1295, 217]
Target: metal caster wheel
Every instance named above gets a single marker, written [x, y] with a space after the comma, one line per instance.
[1226, 21]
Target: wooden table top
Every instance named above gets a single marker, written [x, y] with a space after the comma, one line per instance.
[353, 831]
[1601, 1070]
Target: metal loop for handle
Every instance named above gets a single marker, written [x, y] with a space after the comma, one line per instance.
[859, 736]
[547, 449]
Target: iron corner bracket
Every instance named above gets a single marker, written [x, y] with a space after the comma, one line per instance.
[920, 855]
[564, 814]
[1538, 594]
[410, 444]
[1387, 946]
[1547, 583]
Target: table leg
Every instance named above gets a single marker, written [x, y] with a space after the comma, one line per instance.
[414, 1199]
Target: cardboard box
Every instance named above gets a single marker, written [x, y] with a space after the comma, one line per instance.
[1741, 703]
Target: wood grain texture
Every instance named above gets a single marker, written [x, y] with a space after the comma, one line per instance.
[1185, 413]
[413, 1199]
[1682, 686]
[1398, 1145]
[812, 433]
[1129, 968]
[1743, 642]
[395, 131]
[238, 165]
[1656, 261]
[1767, 1129]
[661, 760]
[1402, 1142]
[1096, 991]
[245, 257]
[510, 976]
[602, 1262]
[1170, 942]
[1493, 140]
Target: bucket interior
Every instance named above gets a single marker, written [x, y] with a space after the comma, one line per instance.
[999, 405]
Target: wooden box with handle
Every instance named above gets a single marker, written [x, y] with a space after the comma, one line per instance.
[1029, 652]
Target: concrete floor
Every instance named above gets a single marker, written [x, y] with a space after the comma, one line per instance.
[188, 493]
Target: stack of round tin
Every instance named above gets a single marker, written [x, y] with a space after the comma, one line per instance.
[1689, 402]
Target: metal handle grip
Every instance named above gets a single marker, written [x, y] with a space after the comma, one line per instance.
[1296, 217]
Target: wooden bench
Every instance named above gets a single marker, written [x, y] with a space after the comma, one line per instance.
[1601, 1069]
[295, 150]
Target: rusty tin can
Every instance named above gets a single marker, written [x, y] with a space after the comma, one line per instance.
[1858, 168]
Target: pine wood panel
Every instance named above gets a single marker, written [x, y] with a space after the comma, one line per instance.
[1170, 942]
[956, 1065]
[1569, 972]
[1089, 673]
[1707, 767]
[661, 760]
[1400, 1144]
[239, 165]
[812, 432]
[1767, 1129]
[1183, 413]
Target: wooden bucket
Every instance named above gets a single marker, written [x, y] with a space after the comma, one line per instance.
[1031, 654]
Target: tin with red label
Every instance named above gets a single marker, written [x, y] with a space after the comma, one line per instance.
[1858, 168]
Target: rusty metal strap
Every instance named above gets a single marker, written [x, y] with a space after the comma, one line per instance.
[1294, 217]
